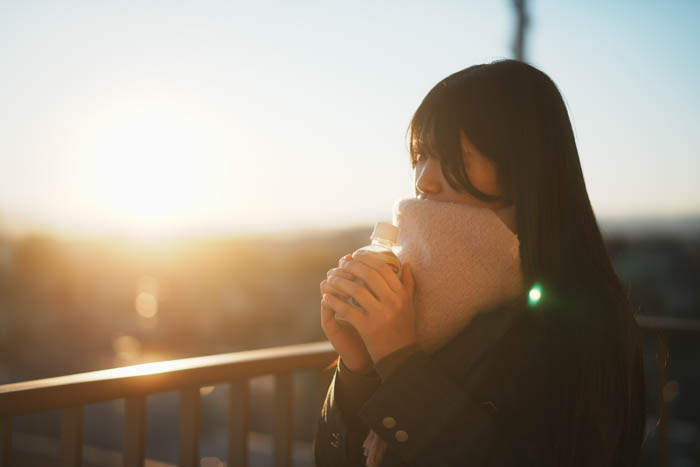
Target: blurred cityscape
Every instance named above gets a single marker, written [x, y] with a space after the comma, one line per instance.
[75, 305]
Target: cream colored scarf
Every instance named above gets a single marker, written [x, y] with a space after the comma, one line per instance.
[465, 260]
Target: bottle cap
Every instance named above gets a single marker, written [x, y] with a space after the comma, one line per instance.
[385, 231]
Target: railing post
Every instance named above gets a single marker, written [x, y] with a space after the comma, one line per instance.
[661, 363]
[134, 431]
[72, 437]
[283, 419]
[189, 428]
[5, 441]
[239, 422]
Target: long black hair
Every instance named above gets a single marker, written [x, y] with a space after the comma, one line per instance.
[515, 115]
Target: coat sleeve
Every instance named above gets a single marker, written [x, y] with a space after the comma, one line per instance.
[491, 415]
[339, 434]
[434, 422]
[428, 419]
[347, 392]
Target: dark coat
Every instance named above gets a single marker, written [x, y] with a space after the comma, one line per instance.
[481, 400]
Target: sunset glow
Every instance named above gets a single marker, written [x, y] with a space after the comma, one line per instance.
[227, 119]
[145, 167]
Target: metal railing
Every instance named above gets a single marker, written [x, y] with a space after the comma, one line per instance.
[133, 383]
[662, 328]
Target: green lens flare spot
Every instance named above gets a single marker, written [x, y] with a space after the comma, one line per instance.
[535, 295]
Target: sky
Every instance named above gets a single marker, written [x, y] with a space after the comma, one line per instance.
[155, 118]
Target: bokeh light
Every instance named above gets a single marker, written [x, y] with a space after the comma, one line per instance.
[206, 390]
[146, 304]
[126, 349]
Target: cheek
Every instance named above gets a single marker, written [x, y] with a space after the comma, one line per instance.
[419, 175]
[481, 170]
[484, 176]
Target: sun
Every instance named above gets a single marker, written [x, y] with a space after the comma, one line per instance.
[145, 169]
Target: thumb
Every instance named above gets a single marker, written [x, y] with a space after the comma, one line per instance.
[408, 280]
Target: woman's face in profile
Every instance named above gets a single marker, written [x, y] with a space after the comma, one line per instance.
[430, 183]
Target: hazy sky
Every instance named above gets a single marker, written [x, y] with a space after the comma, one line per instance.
[146, 117]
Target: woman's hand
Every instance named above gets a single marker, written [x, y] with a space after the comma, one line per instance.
[388, 321]
[344, 338]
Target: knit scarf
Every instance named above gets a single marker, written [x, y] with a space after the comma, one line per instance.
[464, 260]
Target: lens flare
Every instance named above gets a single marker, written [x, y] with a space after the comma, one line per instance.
[535, 294]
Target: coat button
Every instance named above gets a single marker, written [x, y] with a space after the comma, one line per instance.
[489, 405]
[389, 422]
[401, 435]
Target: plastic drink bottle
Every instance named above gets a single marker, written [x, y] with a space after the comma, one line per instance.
[383, 238]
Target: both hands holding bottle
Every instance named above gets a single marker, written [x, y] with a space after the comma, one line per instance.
[386, 320]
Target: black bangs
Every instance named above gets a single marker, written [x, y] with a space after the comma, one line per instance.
[434, 132]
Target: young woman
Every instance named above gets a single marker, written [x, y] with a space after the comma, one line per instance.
[560, 383]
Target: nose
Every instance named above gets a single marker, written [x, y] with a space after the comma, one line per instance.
[429, 179]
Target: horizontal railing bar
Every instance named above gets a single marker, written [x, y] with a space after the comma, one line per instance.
[147, 378]
[653, 324]
[137, 380]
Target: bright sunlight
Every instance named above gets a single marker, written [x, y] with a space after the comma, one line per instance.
[146, 167]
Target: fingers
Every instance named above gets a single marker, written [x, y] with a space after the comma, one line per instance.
[378, 275]
[326, 316]
[342, 309]
[329, 323]
[381, 282]
[357, 291]
[342, 272]
[375, 261]
[326, 287]
[385, 269]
